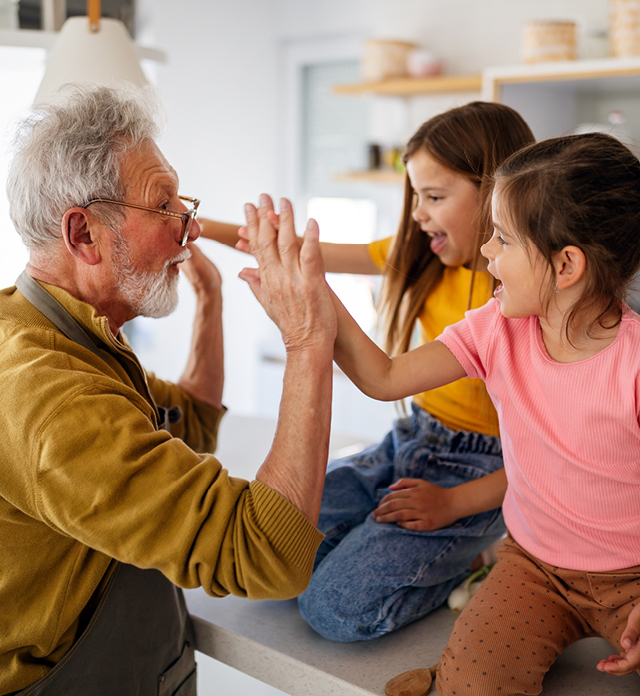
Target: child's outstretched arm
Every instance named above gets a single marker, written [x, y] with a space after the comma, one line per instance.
[628, 661]
[348, 258]
[388, 379]
[223, 232]
[337, 258]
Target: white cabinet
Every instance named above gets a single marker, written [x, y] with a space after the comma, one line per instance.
[556, 97]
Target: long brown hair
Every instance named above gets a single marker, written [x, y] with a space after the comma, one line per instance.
[470, 140]
[584, 191]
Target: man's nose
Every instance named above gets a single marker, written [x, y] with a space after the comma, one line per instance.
[195, 231]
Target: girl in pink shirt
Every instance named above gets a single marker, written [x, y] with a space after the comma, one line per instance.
[559, 351]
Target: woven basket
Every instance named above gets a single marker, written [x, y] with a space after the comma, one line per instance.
[548, 40]
[624, 27]
[383, 60]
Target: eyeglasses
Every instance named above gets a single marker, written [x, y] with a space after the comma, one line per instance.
[186, 218]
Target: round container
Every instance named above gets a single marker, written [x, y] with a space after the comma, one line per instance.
[421, 63]
[624, 27]
[384, 60]
[548, 40]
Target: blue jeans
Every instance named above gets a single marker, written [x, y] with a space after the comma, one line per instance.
[370, 578]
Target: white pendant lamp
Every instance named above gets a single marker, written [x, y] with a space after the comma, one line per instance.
[92, 50]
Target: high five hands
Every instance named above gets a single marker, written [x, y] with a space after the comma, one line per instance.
[289, 282]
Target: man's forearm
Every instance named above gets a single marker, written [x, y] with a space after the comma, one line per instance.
[290, 285]
[203, 376]
[296, 464]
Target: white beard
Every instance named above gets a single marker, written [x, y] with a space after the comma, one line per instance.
[148, 294]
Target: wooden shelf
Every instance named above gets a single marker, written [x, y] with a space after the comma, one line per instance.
[411, 86]
[372, 176]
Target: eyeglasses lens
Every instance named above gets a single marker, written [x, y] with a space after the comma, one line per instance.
[187, 220]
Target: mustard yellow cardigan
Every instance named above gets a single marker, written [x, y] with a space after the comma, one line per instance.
[87, 479]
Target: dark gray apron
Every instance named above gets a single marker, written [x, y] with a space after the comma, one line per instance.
[139, 641]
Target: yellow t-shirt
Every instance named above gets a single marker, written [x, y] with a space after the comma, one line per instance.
[465, 404]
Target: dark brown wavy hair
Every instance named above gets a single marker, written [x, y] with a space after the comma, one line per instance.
[470, 140]
[583, 191]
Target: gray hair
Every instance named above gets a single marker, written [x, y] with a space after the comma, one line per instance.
[69, 152]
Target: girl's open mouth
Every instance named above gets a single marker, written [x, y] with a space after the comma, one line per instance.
[438, 242]
[498, 290]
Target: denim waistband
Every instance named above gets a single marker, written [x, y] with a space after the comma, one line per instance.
[444, 439]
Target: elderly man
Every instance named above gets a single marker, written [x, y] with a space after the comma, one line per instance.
[109, 496]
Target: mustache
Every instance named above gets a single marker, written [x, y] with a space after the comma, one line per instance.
[182, 256]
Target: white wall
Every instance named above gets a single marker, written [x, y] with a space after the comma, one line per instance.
[219, 86]
[468, 34]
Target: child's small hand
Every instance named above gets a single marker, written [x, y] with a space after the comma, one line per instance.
[243, 243]
[628, 661]
[418, 505]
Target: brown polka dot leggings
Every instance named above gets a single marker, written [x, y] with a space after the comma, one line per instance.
[523, 616]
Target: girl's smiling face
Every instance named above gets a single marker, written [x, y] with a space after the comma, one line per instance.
[521, 268]
[448, 209]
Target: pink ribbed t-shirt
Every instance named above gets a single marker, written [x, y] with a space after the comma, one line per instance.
[570, 437]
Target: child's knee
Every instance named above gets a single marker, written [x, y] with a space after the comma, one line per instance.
[322, 611]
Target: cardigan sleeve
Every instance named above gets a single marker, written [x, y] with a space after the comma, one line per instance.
[140, 496]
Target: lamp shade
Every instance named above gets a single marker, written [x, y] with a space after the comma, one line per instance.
[102, 57]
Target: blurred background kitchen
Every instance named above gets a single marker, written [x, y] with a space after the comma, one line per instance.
[314, 100]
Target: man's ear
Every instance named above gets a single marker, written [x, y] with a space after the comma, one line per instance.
[570, 265]
[79, 235]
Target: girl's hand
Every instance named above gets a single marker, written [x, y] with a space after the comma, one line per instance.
[628, 661]
[243, 243]
[418, 505]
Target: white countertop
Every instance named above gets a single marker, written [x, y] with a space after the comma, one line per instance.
[269, 640]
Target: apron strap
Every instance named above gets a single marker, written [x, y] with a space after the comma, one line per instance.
[46, 303]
